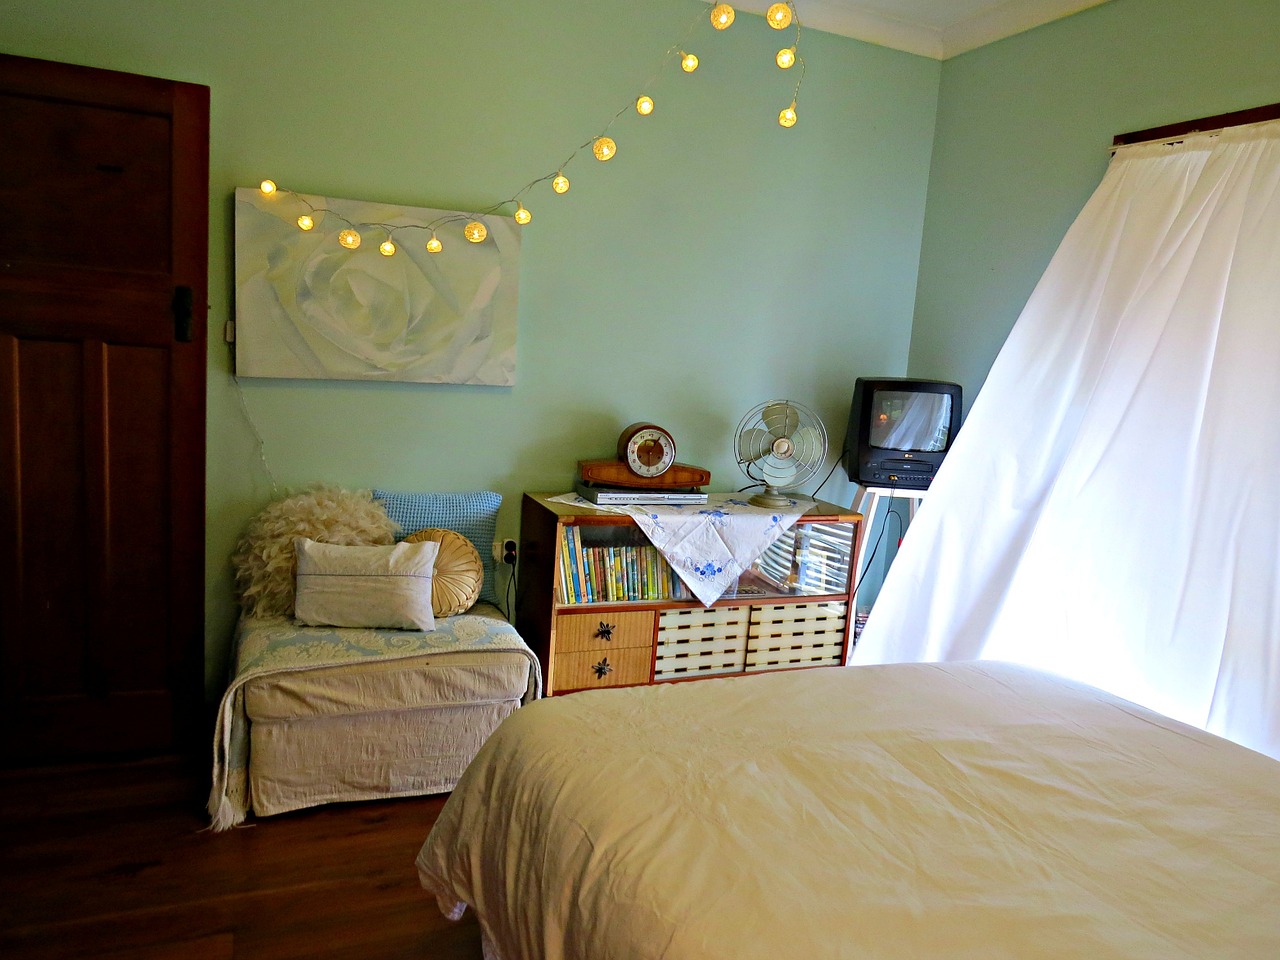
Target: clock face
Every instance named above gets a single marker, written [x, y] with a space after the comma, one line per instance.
[647, 450]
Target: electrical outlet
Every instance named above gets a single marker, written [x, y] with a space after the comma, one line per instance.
[504, 551]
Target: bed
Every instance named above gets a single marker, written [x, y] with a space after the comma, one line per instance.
[903, 811]
[319, 714]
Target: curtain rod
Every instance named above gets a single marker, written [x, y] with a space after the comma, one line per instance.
[1211, 126]
[1170, 141]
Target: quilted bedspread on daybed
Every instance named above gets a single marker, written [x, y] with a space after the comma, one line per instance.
[267, 647]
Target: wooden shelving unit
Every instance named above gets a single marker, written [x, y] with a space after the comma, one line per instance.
[621, 618]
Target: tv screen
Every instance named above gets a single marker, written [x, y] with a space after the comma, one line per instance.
[906, 420]
[900, 429]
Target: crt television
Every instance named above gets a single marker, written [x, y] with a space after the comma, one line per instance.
[900, 429]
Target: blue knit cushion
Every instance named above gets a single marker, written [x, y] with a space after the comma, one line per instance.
[474, 515]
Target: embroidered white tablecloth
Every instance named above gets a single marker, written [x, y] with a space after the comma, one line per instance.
[709, 544]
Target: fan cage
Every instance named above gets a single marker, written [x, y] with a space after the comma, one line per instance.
[769, 421]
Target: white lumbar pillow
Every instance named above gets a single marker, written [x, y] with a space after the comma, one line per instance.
[360, 586]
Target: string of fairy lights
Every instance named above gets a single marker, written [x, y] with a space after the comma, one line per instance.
[779, 16]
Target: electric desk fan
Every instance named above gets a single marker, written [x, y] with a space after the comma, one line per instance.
[780, 444]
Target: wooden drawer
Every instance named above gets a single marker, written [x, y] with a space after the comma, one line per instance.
[587, 669]
[577, 632]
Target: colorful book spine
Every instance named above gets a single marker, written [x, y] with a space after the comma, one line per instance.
[573, 565]
[588, 579]
[582, 567]
[565, 583]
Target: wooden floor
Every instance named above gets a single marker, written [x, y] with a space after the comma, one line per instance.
[113, 862]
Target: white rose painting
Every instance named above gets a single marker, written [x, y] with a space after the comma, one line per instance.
[308, 307]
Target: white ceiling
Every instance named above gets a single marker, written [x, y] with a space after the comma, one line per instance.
[931, 28]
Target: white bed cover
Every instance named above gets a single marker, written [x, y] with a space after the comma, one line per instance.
[964, 810]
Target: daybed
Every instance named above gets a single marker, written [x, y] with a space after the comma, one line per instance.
[923, 811]
[364, 667]
[323, 714]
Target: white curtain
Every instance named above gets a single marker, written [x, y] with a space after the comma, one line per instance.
[1111, 508]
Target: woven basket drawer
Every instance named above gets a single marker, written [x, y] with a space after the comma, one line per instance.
[588, 669]
[796, 635]
[587, 631]
[701, 642]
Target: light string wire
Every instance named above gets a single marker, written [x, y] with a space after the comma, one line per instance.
[795, 15]
[257, 436]
[674, 50]
[677, 49]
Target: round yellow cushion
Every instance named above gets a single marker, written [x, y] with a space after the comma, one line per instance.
[456, 582]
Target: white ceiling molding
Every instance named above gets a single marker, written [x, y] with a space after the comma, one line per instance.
[938, 29]
[1016, 16]
[850, 20]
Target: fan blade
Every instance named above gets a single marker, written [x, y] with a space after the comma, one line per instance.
[753, 444]
[808, 444]
[780, 419]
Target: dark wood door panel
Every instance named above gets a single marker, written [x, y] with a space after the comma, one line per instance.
[136, 531]
[85, 304]
[92, 548]
[104, 181]
[53, 568]
[107, 725]
[65, 174]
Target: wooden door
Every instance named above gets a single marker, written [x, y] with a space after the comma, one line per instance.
[103, 253]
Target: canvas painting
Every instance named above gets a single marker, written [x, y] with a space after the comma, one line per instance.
[309, 307]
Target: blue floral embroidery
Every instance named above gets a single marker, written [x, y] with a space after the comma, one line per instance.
[708, 569]
[717, 518]
[738, 503]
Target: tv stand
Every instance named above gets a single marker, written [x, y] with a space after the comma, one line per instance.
[865, 502]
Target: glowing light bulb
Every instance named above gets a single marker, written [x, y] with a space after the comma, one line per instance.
[349, 239]
[434, 245]
[787, 117]
[522, 215]
[688, 62]
[604, 149]
[387, 248]
[779, 16]
[560, 184]
[722, 16]
[268, 187]
[305, 222]
[475, 231]
[644, 106]
[786, 58]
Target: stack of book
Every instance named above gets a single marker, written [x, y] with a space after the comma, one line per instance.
[610, 574]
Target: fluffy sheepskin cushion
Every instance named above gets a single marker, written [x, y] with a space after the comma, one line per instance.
[264, 561]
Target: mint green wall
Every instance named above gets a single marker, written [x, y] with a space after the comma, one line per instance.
[716, 262]
[1023, 130]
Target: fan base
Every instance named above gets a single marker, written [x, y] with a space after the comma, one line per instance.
[771, 497]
